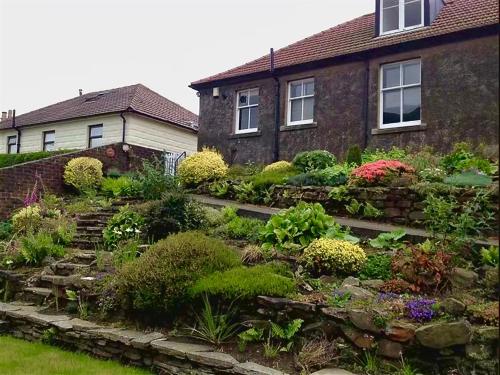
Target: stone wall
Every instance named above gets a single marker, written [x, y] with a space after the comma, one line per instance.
[16, 181]
[151, 350]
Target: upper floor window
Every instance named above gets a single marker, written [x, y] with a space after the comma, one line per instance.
[49, 140]
[400, 15]
[301, 102]
[95, 135]
[12, 144]
[400, 94]
[247, 116]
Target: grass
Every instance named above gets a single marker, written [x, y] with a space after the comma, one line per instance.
[18, 357]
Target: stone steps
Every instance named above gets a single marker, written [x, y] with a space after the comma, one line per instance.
[84, 257]
[67, 269]
[36, 295]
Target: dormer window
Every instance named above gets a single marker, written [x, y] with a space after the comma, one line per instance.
[400, 15]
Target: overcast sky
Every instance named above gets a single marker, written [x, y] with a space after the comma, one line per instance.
[51, 48]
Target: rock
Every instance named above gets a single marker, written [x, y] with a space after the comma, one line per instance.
[302, 306]
[328, 280]
[373, 284]
[250, 368]
[462, 278]
[324, 327]
[390, 349]
[453, 306]
[351, 281]
[332, 371]
[213, 359]
[335, 313]
[356, 292]
[478, 352]
[83, 325]
[416, 215]
[275, 303]
[178, 349]
[45, 320]
[400, 331]
[144, 341]
[360, 339]
[442, 335]
[491, 277]
[485, 334]
[363, 320]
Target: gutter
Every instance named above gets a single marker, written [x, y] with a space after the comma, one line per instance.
[124, 125]
[277, 99]
[18, 146]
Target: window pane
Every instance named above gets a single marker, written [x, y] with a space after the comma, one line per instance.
[391, 19]
[309, 88]
[244, 115]
[296, 111]
[49, 147]
[243, 99]
[295, 89]
[391, 76]
[50, 137]
[95, 142]
[254, 117]
[11, 140]
[254, 97]
[411, 104]
[392, 107]
[390, 3]
[411, 73]
[413, 13]
[308, 109]
[96, 131]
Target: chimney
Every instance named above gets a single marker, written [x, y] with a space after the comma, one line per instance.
[4, 116]
[80, 91]
[9, 114]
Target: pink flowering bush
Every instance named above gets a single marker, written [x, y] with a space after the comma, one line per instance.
[379, 172]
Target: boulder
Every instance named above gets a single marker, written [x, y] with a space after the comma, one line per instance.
[351, 281]
[400, 331]
[356, 292]
[390, 349]
[453, 306]
[363, 320]
[372, 284]
[442, 335]
[332, 371]
[462, 278]
[359, 338]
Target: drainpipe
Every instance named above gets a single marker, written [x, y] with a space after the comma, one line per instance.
[124, 124]
[18, 131]
[276, 150]
[366, 103]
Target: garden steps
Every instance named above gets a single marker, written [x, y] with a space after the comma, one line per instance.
[359, 227]
[36, 295]
[68, 269]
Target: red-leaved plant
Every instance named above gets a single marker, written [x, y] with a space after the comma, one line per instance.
[379, 171]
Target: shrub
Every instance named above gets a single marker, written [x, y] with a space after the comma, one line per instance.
[379, 172]
[126, 251]
[27, 219]
[278, 166]
[124, 225]
[61, 229]
[121, 187]
[313, 160]
[266, 179]
[153, 180]
[293, 229]
[160, 278]
[377, 266]
[206, 165]
[240, 228]
[6, 229]
[245, 283]
[328, 256]
[331, 176]
[83, 173]
[462, 159]
[35, 247]
[175, 212]
[354, 155]
[489, 256]
[395, 153]
[6, 160]
[432, 174]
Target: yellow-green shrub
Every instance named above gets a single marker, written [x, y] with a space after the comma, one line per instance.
[327, 256]
[279, 166]
[206, 165]
[83, 173]
[27, 219]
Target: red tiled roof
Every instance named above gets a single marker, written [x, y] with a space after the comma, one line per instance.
[359, 35]
[136, 98]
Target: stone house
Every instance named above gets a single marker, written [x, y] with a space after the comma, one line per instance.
[134, 115]
[413, 73]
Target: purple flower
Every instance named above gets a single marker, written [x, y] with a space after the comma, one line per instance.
[420, 310]
[387, 296]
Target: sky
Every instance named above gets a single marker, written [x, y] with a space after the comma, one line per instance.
[51, 48]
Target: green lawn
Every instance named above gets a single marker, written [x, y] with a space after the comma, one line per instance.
[19, 357]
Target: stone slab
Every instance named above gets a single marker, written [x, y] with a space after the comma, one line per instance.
[332, 371]
[21, 313]
[213, 359]
[83, 325]
[46, 319]
[251, 368]
[144, 341]
[179, 349]
[4, 307]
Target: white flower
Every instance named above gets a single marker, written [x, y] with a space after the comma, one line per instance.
[9, 262]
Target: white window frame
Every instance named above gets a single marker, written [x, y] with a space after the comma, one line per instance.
[289, 121]
[401, 87]
[401, 7]
[9, 145]
[237, 129]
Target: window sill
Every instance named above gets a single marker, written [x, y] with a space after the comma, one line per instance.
[286, 128]
[401, 129]
[245, 135]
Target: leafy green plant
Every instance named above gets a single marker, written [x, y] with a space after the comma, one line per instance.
[339, 193]
[377, 266]
[245, 192]
[336, 232]
[125, 252]
[371, 155]
[353, 207]
[462, 159]
[354, 155]
[371, 212]
[313, 160]
[48, 336]
[124, 225]
[331, 176]
[468, 179]
[154, 181]
[123, 186]
[293, 229]
[35, 247]
[219, 189]
[271, 350]
[489, 256]
[214, 326]
[80, 299]
[286, 334]
[389, 240]
[250, 335]
[246, 283]
[339, 300]
[6, 230]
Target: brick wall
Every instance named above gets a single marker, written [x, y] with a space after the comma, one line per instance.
[18, 180]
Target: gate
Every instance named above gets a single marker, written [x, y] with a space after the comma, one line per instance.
[172, 160]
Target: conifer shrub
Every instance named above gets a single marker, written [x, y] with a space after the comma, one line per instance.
[83, 173]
